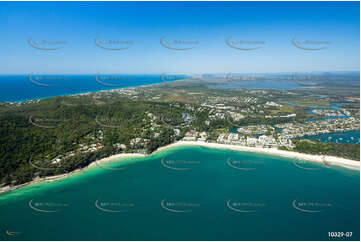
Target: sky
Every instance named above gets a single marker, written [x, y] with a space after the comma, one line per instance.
[197, 37]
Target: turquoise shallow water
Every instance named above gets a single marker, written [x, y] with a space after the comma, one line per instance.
[189, 193]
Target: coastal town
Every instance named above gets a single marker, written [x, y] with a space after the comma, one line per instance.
[232, 109]
[180, 121]
[261, 135]
[141, 120]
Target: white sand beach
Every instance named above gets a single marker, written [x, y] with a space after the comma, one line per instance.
[63, 176]
[290, 154]
[331, 160]
[117, 156]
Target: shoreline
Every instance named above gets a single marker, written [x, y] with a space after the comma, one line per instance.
[89, 92]
[7, 189]
[346, 163]
[74, 94]
[273, 151]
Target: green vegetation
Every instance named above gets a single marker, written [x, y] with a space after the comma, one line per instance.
[58, 135]
[348, 151]
[36, 135]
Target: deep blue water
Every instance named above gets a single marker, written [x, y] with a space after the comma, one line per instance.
[15, 88]
[348, 137]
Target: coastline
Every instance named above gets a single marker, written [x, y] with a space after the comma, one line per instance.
[7, 189]
[346, 163]
[84, 93]
[273, 151]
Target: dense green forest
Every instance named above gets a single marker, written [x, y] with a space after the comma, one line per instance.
[33, 135]
[58, 135]
[348, 151]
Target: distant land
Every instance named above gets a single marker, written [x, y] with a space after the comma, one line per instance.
[15, 88]
[58, 135]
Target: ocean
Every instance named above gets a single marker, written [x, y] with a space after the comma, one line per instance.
[189, 193]
[346, 137]
[17, 88]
